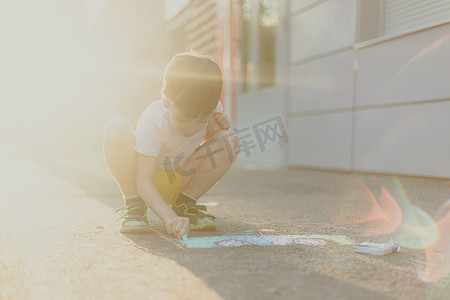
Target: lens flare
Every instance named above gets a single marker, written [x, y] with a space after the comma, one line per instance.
[418, 230]
[438, 255]
[375, 213]
[390, 216]
[355, 207]
[360, 206]
[407, 224]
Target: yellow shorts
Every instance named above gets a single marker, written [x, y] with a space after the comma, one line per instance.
[168, 183]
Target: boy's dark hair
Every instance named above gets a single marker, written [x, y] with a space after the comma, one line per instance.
[193, 82]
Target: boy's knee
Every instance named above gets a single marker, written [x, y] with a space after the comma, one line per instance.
[231, 140]
[236, 142]
[117, 127]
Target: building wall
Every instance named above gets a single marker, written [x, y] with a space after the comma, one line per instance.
[196, 27]
[402, 105]
[136, 41]
[358, 100]
[320, 86]
[134, 44]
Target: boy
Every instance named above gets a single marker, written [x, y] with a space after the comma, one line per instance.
[166, 163]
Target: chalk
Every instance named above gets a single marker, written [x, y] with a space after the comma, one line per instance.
[377, 248]
[184, 237]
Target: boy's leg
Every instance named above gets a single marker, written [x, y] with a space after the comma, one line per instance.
[120, 157]
[202, 170]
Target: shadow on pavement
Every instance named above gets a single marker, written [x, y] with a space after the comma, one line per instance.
[255, 272]
[246, 272]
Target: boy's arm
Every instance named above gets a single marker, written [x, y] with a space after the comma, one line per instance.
[218, 121]
[146, 168]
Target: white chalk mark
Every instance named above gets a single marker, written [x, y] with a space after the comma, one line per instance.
[231, 243]
[285, 240]
[340, 239]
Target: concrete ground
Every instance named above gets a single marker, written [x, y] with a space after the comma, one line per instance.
[59, 238]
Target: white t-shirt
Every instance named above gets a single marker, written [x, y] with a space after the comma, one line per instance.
[155, 136]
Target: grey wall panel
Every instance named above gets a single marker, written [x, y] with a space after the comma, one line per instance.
[411, 140]
[324, 28]
[257, 110]
[411, 68]
[325, 83]
[322, 141]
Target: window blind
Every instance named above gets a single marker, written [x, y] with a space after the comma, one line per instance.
[404, 15]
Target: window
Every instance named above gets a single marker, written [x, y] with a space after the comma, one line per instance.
[269, 20]
[173, 7]
[403, 15]
[260, 21]
[386, 17]
[247, 8]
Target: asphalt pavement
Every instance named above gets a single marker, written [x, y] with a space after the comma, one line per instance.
[59, 238]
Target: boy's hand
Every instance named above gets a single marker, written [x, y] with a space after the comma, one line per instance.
[178, 226]
[221, 118]
[217, 122]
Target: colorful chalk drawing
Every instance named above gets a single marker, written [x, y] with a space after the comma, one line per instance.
[258, 238]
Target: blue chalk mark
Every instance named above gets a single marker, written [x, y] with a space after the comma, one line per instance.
[216, 241]
[251, 237]
[202, 242]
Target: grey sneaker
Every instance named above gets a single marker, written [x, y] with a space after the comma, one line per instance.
[187, 207]
[134, 218]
